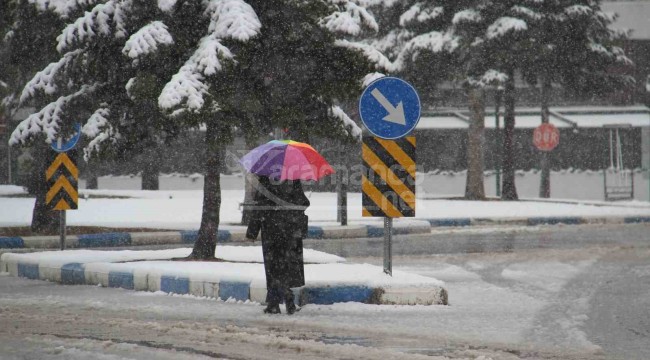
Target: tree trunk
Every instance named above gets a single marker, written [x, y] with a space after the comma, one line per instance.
[44, 221]
[545, 181]
[150, 172]
[91, 182]
[474, 187]
[206, 242]
[509, 190]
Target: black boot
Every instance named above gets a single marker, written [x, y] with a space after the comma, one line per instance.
[272, 309]
[291, 306]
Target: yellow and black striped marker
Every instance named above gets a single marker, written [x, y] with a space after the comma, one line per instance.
[388, 182]
[62, 177]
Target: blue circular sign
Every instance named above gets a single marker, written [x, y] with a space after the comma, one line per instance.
[70, 144]
[390, 108]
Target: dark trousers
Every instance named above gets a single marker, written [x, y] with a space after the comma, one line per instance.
[283, 267]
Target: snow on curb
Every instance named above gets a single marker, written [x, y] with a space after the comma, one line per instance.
[416, 226]
[190, 236]
[329, 280]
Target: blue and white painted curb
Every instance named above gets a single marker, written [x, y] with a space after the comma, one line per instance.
[190, 236]
[419, 226]
[114, 275]
[533, 221]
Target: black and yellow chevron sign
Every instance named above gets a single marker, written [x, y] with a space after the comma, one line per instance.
[62, 176]
[388, 182]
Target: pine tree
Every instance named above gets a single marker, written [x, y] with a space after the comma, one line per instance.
[29, 31]
[221, 64]
[437, 44]
[573, 46]
[491, 42]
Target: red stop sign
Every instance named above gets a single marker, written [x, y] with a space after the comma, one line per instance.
[546, 137]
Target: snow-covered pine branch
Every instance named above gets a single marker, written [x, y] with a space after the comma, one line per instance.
[47, 120]
[578, 10]
[350, 126]
[186, 88]
[229, 19]
[434, 41]
[232, 19]
[526, 12]
[370, 52]
[166, 5]
[63, 8]
[104, 19]
[146, 40]
[419, 13]
[368, 79]
[45, 80]
[391, 43]
[505, 25]
[466, 16]
[99, 130]
[489, 78]
[349, 19]
[621, 58]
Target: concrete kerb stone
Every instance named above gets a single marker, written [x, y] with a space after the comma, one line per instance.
[107, 275]
[315, 232]
[190, 236]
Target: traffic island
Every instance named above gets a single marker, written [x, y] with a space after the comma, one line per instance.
[239, 276]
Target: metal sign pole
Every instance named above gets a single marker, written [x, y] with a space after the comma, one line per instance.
[9, 179]
[497, 163]
[390, 109]
[388, 246]
[62, 228]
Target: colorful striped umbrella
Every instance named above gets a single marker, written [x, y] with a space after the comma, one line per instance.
[286, 160]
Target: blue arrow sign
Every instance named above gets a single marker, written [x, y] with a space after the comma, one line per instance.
[70, 144]
[390, 108]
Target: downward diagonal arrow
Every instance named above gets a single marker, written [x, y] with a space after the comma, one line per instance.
[395, 113]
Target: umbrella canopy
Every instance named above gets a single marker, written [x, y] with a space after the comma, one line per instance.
[286, 160]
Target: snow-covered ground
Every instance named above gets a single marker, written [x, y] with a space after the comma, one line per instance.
[181, 209]
[522, 305]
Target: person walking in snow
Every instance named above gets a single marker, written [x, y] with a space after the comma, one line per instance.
[279, 212]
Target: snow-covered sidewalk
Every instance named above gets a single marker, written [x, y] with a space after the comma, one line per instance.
[181, 210]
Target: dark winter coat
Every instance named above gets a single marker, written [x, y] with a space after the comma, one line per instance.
[279, 213]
